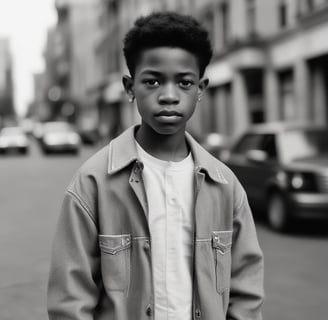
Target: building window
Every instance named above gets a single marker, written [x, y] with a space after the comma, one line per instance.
[254, 85]
[318, 89]
[221, 117]
[282, 15]
[224, 12]
[251, 17]
[286, 90]
[112, 7]
[209, 25]
[309, 5]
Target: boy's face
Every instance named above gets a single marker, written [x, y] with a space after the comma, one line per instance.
[166, 86]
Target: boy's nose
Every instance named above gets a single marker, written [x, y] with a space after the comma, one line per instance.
[169, 95]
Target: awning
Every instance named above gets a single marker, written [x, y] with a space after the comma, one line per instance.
[222, 71]
[219, 73]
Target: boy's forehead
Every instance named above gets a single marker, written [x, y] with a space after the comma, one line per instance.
[166, 57]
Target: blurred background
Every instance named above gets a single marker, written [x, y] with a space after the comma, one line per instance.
[265, 115]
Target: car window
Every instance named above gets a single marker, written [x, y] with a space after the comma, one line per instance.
[248, 142]
[269, 145]
[299, 144]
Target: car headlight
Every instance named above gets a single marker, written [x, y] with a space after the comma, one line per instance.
[297, 181]
[302, 181]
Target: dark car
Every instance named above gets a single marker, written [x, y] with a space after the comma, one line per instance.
[284, 169]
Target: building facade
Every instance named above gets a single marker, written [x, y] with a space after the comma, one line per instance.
[298, 76]
[70, 63]
[39, 109]
[269, 62]
[6, 84]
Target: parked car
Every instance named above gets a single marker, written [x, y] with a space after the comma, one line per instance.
[284, 169]
[215, 143]
[13, 139]
[59, 136]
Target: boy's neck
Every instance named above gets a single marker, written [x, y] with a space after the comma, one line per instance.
[164, 147]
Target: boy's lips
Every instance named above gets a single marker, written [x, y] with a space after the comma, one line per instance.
[168, 113]
[168, 116]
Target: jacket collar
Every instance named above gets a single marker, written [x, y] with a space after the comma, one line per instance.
[123, 152]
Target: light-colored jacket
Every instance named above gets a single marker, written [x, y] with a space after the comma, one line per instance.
[101, 261]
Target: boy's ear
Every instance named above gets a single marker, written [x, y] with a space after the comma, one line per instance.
[128, 86]
[203, 83]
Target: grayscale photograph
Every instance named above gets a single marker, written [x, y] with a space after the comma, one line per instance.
[163, 159]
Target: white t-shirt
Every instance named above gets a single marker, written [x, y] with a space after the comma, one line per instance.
[170, 195]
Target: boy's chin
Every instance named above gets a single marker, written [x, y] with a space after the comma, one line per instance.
[162, 130]
[168, 130]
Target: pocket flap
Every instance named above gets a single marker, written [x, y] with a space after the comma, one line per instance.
[112, 244]
[222, 240]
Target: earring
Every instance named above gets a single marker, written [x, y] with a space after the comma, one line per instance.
[131, 99]
[199, 98]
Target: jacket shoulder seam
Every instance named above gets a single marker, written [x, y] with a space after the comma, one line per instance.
[83, 204]
[241, 201]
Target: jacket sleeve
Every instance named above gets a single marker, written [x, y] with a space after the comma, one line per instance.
[72, 287]
[246, 291]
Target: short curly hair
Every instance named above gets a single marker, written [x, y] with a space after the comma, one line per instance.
[167, 29]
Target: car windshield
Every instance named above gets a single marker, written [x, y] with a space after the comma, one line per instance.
[304, 144]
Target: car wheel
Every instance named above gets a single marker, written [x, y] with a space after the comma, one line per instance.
[278, 218]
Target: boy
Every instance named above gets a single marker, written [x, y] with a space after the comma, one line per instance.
[152, 226]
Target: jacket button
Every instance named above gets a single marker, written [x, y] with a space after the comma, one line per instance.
[197, 313]
[138, 166]
[149, 310]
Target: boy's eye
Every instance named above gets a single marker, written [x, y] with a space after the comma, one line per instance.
[151, 82]
[185, 83]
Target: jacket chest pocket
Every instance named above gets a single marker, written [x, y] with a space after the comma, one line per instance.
[221, 244]
[115, 262]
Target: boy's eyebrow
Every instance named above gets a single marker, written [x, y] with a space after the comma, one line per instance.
[159, 73]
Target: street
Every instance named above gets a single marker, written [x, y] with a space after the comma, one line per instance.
[32, 189]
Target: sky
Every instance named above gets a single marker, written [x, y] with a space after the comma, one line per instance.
[25, 23]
